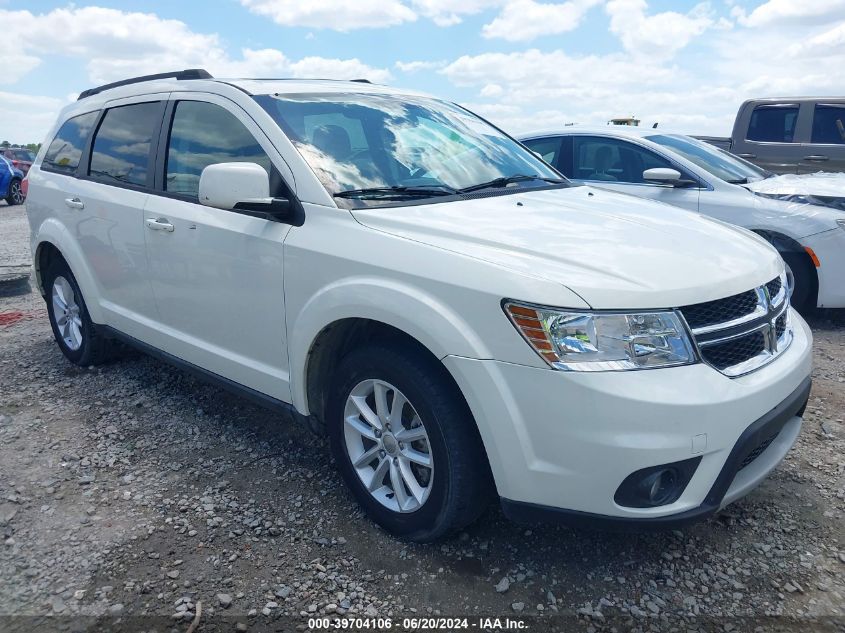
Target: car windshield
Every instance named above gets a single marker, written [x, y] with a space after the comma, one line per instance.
[374, 149]
[23, 155]
[712, 159]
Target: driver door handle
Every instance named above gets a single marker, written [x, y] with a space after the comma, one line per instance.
[159, 224]
[816, 158]
[74, 203]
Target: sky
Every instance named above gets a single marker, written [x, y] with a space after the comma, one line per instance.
[523, 64]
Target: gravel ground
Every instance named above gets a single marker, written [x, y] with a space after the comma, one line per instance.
[133, 491]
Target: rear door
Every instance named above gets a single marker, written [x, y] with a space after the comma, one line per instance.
[618, 165]
[826, 151]
[218, 275]
[772, 138]
[116, 176]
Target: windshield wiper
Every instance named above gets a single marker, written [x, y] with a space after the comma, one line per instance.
[398, 191]
[504, 181]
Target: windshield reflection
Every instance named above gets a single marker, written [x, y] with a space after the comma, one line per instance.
[714, 160]
[366, 141]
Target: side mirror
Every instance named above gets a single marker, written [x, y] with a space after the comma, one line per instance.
[224, 185]
[662, 175]
[244, 188]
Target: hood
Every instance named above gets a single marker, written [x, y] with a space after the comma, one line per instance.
[820, 188]
[614, 250]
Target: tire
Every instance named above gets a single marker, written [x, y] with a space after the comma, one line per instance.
[456, 488]
[77, 336]
[805, 282]
[15, 195]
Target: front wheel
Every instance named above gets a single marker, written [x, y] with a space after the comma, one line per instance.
[804, 278]
[406, 444]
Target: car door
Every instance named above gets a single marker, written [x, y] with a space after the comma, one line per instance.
[618, 165]
[217, 275]
[772, 138]
[108, 198]
[826, 151]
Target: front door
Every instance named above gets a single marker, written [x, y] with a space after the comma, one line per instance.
[618, 165]
[217, 275]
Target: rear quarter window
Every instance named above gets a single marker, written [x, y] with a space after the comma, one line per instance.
[66, 148]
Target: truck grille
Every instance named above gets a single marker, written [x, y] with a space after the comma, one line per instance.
[743, 332]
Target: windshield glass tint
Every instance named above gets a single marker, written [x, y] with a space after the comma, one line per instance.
[361, 141]
[714, 160]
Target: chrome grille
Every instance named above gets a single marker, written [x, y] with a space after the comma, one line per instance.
[743, 332]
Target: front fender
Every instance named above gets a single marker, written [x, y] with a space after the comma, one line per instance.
[434, 324]
[53, 232]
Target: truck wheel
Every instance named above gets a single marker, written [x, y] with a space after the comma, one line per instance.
[804, 279]
[77, 336]
[15, 195]
[406, 443]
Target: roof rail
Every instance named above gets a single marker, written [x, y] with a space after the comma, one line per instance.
[191, 73]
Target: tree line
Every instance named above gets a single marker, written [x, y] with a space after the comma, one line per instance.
[32, 147]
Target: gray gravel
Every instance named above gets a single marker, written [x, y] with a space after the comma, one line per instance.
[134, 490]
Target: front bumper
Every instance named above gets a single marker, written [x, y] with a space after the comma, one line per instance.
[564, 441]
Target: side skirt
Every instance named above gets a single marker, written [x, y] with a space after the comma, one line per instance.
[261, 399]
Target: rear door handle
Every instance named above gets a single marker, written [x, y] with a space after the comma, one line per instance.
[74, 203]
[747, 155]
[816, 158]
[159, 224]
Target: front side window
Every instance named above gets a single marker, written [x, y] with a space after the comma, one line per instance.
[121, 150]
[204, 134]
[612, 160]
[829, 124]
[66, 149]
[773, 123]
[712, 159]
[410, 146]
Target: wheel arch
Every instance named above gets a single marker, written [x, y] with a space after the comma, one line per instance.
[53, 241]
[785, 244]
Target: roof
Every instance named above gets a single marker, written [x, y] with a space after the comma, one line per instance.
[197, 78]
[612, 130]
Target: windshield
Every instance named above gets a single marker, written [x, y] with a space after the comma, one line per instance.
[712, 159]
[373, 149]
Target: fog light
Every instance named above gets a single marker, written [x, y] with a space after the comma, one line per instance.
[656, 485]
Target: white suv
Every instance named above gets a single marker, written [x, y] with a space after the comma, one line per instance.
[405, 277]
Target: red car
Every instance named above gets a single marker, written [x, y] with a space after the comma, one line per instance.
[20, 157]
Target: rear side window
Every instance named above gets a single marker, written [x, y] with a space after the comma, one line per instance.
[829, 124]
[773, 124]
[547, 148]
[204, 134]
[65, 151]
[121, 150]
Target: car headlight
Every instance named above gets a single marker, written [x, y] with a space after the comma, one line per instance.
[603, 341]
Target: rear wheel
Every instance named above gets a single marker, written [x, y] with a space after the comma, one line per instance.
[76, 334]
[406, 444]
[15, 195]
[804, 280]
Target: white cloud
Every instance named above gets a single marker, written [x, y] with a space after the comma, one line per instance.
[333, 14]
[792, 11]
[119, 45]
[659, 36]
[449, 12]
[26, 118]
[524, 20]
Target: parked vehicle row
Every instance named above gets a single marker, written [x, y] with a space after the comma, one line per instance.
[461, 321]
[808, 230]
[792, 135]
[20, 157]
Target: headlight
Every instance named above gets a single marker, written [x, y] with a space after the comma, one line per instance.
[581, 341]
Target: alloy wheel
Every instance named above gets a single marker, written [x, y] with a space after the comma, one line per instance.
[388, 446]
[66, 313]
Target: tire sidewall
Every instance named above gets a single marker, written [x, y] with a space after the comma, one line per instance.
[374, 365]
[80, 355]
[803, 290]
